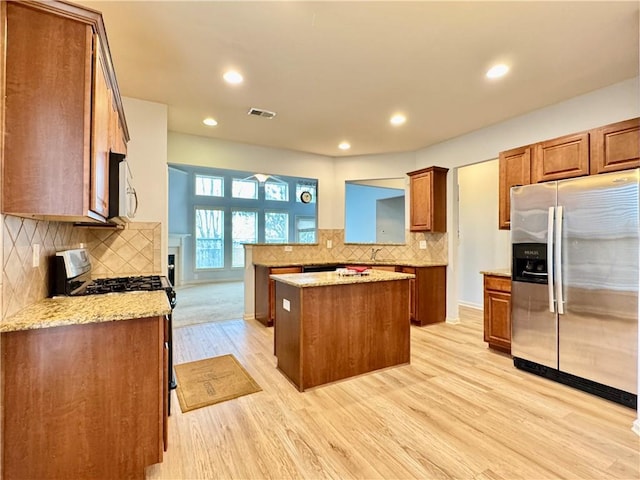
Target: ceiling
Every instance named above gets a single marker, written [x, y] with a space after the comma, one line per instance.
[335, 71]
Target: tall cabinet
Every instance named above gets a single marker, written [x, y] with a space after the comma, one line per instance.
[60, 103]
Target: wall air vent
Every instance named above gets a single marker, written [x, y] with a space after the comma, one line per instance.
[258, 112]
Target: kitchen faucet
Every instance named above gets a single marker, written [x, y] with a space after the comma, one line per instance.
[374, 251]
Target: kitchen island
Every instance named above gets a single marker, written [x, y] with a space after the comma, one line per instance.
[330, 327]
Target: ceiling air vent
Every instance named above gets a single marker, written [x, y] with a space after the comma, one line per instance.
[258, 112]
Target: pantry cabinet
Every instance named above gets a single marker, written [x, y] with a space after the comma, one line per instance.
[57, 106]
[604, 149]
[497, 312]
[428, 200]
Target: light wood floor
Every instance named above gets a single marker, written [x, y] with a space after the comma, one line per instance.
[459, 410]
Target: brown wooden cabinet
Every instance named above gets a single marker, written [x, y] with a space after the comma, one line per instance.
[428, 200]
[427, 302]
[515, 169]
[605, 149]
[615, 147]
[412, 291]
[331, 332]
[563, 157]
[57, 99]
[497, 312]
[84, 401]
[101, 126]
[430, 299]
[265, 303]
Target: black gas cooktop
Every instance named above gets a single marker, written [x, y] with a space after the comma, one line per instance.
[126, 284]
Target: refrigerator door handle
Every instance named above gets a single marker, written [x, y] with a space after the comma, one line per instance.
[552, 307]
[558, 258]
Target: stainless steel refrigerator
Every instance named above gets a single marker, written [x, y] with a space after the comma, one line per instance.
[575, 282]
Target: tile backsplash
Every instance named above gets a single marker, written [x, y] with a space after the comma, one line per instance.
[134, 250]
[435, 251]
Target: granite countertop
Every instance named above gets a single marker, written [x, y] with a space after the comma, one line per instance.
[321, 279]
[61, 311]
[403, 263]
[498, 272]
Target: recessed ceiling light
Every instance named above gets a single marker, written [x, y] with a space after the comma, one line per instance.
[398, 119]
[344, 146]
[210, 122]
[497, 71]
[232, 77]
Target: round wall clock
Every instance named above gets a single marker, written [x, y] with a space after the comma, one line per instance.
[305, 197]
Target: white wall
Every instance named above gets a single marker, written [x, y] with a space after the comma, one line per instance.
[210, 152]
[366, 167]
[147, 155]
[481, 246]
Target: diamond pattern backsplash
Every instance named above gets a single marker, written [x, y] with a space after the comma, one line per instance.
[436, 250]
[135, 250]
[22, 283]
[129, 252]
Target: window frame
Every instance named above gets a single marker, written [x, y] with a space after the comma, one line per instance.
[197, 269]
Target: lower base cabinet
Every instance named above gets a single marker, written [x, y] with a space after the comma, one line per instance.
[497, 312]
[428, 291]
[265, 292]
[86, 401]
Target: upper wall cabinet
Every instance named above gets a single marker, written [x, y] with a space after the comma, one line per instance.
[59, 96]
[563, 157]
[515, 169]
[428, 199]
[615, 147]
[606, 149]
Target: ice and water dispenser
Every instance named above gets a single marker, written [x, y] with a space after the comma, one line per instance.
[530, 262]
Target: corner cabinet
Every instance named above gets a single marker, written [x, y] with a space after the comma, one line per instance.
[497, 312]
[85, 401]
[428, 199]
[59, 96]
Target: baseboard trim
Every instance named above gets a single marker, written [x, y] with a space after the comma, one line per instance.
[452, 321]
[248, 317]
[636, 426]
[475, 306]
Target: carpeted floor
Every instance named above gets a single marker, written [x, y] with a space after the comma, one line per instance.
[208, 302]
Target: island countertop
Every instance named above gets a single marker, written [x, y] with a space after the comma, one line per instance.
[320, 279]
[61, 311]
[368, 263]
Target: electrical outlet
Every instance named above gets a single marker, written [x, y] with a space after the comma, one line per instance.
[423, 244]
[286, 304]
[36, 255]
[288, 248]
[329, 244]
